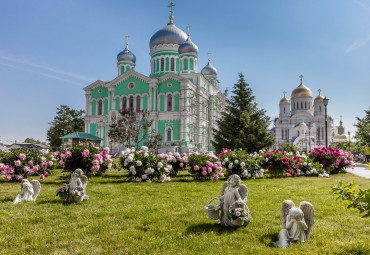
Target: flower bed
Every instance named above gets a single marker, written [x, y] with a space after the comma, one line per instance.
[18, 164]
[144, 166]
[333, 160]
[177, 161]
[204, 166]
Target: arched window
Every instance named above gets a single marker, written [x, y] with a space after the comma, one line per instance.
[154, 66]
[172, 64]
[322, 133]
[162, 64]
[131, 102]
[186, 64]
[100, 107]
[138, 103]
[297, 105]
[282, 133]
[124, 103]
[169, 135]
[169, 102]
[318, 133]
[305, 105]
[301, 105]
[320, 108]
[284, 109]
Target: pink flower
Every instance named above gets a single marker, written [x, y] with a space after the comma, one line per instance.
[79, 193]
[86, 151]
[26, 168]
[42, 177]
[31, 172]
[84, 154]
[19, 177]
[56, 153]
[49, 163]
[110, 161]
[238, 214]
[204, 169]
[286, 164]
[68, 154]
[300, 165]
[271, 167]
[62, 162]
[62, 156]
[17, 163]
[36, 168]
[181, 165]
[46, 174]
[221, 174]
[106, 149]
[268, 155]
[216, 177]
[21, 156]
[95, 162]
[196, 167]
[209, 169]
[30, 162]
[43, 164]
[204, 172]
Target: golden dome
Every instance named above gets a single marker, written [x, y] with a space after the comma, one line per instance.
[301, 91]
[340, 138]
[303, 124]
[319, 98]
[284, 100]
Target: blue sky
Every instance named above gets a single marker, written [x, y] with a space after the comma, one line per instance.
[51, 50]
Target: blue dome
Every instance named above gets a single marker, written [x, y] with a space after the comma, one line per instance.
[188, 47]
[169, 34]
[209, 70]
[126, 56]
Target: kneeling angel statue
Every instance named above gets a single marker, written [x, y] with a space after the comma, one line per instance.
[297, 223]
[29, 191]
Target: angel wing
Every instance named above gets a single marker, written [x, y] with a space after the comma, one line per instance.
[309, 215]
[285, 207]
[224, 186]
[84, 180]
[36, 189]
[243, 191]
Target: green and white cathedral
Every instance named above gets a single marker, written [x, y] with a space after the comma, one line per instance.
[184, 103]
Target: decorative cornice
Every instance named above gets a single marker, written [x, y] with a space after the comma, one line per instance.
[128, 74]
[94, 85]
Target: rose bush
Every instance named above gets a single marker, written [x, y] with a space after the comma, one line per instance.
[177, 161]
[333, 160]
[204, 166]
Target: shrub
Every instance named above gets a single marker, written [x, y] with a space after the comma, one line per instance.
[18, 164]
[333, 160]
[177, 161]
[242, 164]
[204, 166]
[144, 166]
[89, 159]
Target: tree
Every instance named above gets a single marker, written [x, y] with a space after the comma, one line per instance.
[34, 141]
[242, 125]
[288, 147]
[362, 133]
[132, 128]
[65, 122]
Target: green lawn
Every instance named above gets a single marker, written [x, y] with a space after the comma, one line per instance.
[169, 218]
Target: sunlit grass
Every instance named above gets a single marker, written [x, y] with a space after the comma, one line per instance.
[169, 218]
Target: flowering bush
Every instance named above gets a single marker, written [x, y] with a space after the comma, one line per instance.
[18, 164]
[144, 166]
[333, 160]
[177, 161]
[89, 159]
[205, 166]
[62, 192]
[242, 164]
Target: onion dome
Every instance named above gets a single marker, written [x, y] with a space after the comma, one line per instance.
[126, 56]
[303, 124]
[284, 100]
[301, 90]
[169, 34]
[209, 69]
[188, 47]
[319, 98]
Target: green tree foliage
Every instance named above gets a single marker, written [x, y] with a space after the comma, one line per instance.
[354, 197]
[363, 128]
[132, 128]
[242, 125]
[288, 147]
[65, 122]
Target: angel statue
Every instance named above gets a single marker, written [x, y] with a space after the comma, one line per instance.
[234, 211]
[297, 223]
[29, 191]
[76, 187]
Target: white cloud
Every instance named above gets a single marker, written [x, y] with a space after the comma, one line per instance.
[57, 71]
[358, 44]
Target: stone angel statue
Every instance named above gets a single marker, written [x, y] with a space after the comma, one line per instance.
[234, 211]
[76, 187]
[297, 223]
[29, 191]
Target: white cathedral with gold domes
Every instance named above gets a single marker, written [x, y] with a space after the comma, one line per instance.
[184, 103]
[302, 122]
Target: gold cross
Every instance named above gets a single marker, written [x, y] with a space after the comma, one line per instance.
[127, 36]
[188, 27]
[301, 77]
[171, 17]
[284, 92]
[209, 56]
[319, 90]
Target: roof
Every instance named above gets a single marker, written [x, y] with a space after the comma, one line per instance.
[82, 135]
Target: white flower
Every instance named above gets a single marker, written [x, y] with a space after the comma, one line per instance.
[223, 163]
[162, 178]
[226, 159]
[148, 180]
[138, 179]
[305, 163]
[308, 173]
[267, 159]
[181, 165]
[169, 167]
[160, 165]
[245, 173]
[139, 163]
[144, 176]
[255, 156]
[133, 172]
[242, 164]
[230, 165]
[236, 161]
[320, 175]
[167, 179]
[166, 170]
[309, 164]
[146, 154]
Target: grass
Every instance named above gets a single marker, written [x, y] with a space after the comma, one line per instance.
[169, 218]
